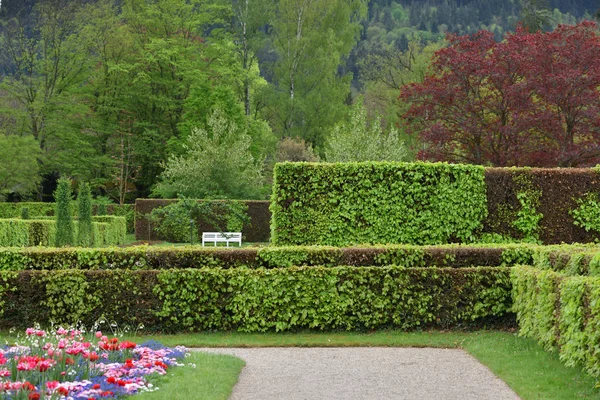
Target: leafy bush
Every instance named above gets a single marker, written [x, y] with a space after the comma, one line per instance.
[177, 221]
[587, 214]
[256, 228]
[377, 202]
[259, 300]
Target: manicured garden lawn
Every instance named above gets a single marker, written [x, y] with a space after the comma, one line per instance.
[529, 370]
[212, 378]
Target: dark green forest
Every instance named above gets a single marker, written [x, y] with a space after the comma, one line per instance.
[201, 97]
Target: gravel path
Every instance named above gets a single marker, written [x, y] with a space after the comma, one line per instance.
[354, 373]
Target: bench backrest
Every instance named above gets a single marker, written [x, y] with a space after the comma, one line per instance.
[221, 235]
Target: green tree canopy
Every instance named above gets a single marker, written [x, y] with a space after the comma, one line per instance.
[19, 169]
[357, 140]
[217, 164]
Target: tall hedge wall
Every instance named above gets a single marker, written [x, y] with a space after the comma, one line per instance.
[560, 190]
[376, 202]
[258, 300]
[420, 203]
[257, 229]
[38, 209]
[152, 257]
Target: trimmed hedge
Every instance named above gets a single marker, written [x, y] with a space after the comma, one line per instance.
[257, 229]
[561, 312]
[359, 203]
[258, 300]
[27, 232]
[376, 203]
[150, 257]
[561, 189]
[116, 230]
[37, 209]
[583, 260]
[42, 232]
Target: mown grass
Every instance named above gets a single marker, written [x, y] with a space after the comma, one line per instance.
[205, 376]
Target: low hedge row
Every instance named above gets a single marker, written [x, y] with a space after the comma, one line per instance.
[561, 312]
[258, 300]
[39, 209]
[107, 231]
[568, 260]
[256, 230]
[149, 257]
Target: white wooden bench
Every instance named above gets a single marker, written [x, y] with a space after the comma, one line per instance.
[222, 237]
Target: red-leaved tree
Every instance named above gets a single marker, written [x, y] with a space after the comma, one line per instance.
[533, 99]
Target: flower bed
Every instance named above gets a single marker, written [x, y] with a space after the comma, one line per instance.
[64, 365]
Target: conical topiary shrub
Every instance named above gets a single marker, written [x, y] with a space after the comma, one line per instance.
[84, 215]
[64, 215]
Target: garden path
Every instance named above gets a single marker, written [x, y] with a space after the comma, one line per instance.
[368, 373]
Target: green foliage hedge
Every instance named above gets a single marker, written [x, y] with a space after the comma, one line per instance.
[376, 202]
[360, 203]
[151, 257]
[37, 209]
[107, 231]
[583, 260]
[258, 300]
[561, 312]
[29, 232]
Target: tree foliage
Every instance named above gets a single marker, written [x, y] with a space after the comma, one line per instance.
[532, 99]
[217, 163]
[355, 140]
[19, 169]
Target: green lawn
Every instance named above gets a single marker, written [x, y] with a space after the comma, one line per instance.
[205, 376]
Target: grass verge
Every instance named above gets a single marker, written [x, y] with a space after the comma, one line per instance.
[205, 376]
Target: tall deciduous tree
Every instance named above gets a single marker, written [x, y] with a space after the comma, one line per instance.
[311, 38]
[531, 100]
[49, 63]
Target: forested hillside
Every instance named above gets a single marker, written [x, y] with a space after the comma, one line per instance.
[143, 97]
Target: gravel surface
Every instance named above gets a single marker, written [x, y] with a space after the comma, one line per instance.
[353, 373]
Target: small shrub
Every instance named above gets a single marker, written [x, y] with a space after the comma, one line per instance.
[177, 221]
